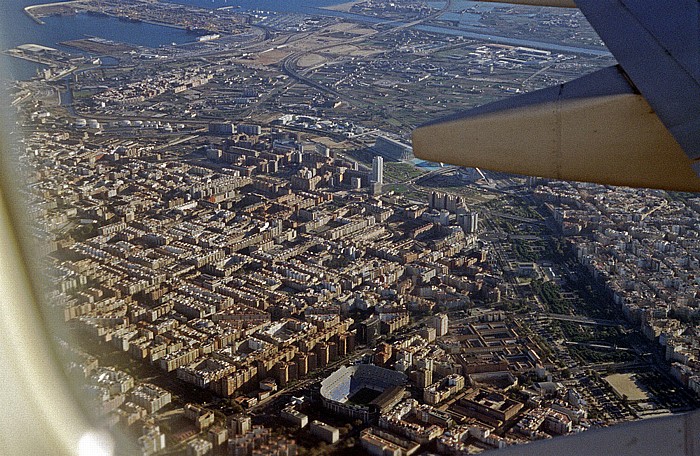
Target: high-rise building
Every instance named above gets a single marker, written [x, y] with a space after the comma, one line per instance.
[377, 176]
[221, 128]
[239, 424]
[424, 378]
[440, 323]
[250, 129]
[469, 222]
[472, 222]
[342, 344]
[302, 362]
[323, 354]
[199, 447]
[324, 150]
[368, 331]
[152, 441]
[439, 200]
[428, 334]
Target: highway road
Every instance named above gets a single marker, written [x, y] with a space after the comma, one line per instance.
[578, 319]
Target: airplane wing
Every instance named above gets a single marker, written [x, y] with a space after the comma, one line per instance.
[635, 124]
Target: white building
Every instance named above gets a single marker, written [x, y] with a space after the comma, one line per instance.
[440, 323]
[199, 447]
[152, 440]
[377, 176]
[325, 432]
[294, 416]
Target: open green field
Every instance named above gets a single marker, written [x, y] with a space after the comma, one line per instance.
[400, 172]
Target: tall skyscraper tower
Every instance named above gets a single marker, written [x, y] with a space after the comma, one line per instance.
[377, 176]
[472, 222]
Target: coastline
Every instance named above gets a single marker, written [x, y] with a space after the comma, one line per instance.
[29, 12]
[28, 9]
[29, 58]
[343, 7]
[33, 17]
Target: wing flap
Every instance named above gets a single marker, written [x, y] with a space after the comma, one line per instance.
[595, 129]
[658, 45]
